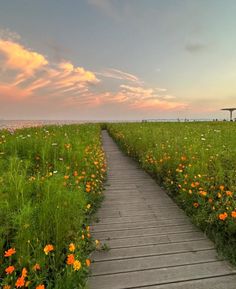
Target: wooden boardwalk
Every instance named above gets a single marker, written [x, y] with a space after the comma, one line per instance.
[152, 242]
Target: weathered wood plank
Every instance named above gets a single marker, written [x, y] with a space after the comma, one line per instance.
[156, 249]
[161, 276]
[157, 262]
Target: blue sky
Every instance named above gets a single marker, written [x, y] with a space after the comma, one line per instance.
[150, 59]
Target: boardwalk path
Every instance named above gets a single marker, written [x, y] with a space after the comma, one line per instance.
[152, 243]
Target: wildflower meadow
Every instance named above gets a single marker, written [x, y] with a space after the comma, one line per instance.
[196, 164]
[51, 181]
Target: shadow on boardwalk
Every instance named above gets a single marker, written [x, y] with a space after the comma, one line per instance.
[152, 242]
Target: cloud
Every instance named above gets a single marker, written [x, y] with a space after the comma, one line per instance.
[34, 75]
[107, 7]
[195, 47]
[160, 105]
[7, 34]
[11, 93]
[75, 74]
[118, 74]
[19, 58]
[137, 92]
[29, 77]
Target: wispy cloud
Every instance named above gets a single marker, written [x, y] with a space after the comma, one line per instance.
[118, 74]
[29, 75]
[33, 74]
[195, 47]
[7, 34]
[107, 7]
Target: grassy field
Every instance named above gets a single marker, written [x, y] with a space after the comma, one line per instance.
[51, 180]
[196, 163]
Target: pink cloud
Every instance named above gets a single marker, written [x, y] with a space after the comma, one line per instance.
[19, 58]
[13, 93]
[30, 77]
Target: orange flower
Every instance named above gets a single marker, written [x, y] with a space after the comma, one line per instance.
[233, 214]
[196, 205]
[70, 259]
[72, 247]
[222, 187]
[10, 270]
[75, 173]
[10, 252]
[88, 235]
[20, 282]
[183, 158]
[36, 267]
[6, 287]
[24, 272]
[88, 262]
[41, 286]
[203, 193]
[66, 177]
[229, 193]
[223, 216]
[48, 248]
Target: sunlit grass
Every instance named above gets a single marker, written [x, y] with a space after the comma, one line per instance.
[51, 180]
[196, 163]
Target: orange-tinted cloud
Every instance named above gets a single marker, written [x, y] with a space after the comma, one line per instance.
[28, 75]
[19, 58]
[10, 93]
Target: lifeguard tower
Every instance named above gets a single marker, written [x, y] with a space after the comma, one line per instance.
[230, 111]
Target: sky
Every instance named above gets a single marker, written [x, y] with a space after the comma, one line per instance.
[117, 59]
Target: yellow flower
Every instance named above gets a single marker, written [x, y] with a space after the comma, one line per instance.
[88, 206]
[72, 247]
[77, 265]
[222, 187]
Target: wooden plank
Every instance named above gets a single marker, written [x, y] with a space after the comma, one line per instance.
[222, 282]
[160, 276]
[155, 239]
[157, 262]
[144, 232]
[151, 250]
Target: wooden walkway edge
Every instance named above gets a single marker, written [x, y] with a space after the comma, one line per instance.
[152, 242]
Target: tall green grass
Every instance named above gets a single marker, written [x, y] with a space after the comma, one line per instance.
[51, 180]
[196, 163]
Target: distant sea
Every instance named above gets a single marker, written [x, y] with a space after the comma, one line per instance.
[14, 124]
